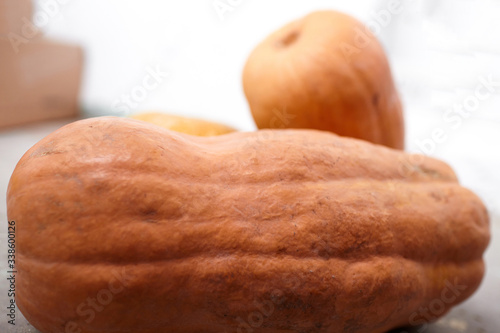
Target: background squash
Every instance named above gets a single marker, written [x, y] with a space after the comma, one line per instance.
[181, 124]
[325, 71]
[127, 227]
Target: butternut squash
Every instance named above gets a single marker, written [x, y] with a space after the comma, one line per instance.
[124, 226]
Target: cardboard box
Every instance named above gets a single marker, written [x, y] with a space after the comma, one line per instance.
[39, 82]
[13, 16]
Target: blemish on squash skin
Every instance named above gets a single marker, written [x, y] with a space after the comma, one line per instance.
[149, 212]
[149, 215]
[47, 152]
[288, 39]
[436, 196]
[433, 174]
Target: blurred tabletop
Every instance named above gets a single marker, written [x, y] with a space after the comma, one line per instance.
[479, 314]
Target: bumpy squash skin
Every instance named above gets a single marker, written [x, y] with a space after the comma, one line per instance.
[325, 71]
[271, 231]
[181, 124]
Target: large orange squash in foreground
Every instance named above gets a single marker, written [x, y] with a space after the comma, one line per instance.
[123, 226]
[325, 71]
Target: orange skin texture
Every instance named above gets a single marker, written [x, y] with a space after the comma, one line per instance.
[314, 232]
[181, 124]
[318, 73]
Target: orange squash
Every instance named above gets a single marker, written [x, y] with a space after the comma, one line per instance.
[181, 124]
[325, 71]
[123, 226]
